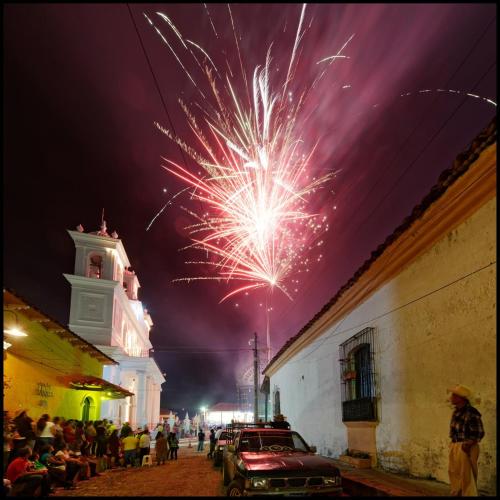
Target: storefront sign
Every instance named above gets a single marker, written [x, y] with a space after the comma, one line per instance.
[44, 390]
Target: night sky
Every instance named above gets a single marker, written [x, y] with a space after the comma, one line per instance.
[80, 102]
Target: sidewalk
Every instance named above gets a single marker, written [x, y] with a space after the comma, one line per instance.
[375, 482]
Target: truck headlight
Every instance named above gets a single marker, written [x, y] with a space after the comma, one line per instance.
[259, 482]
[332, 481]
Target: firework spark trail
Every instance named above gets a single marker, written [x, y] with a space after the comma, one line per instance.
[461, 92]
[179, 36]
[298, 37]
[206, 55]
[243, 72]
[169, 202]
[210, 18]
[254, 182]
[332, 59]
[175, 54]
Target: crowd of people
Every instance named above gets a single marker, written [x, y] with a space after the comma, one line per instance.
[54, 452]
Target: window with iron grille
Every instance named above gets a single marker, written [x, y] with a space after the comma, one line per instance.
[358, 377]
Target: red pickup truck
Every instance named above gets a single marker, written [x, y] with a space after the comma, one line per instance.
[267, 461]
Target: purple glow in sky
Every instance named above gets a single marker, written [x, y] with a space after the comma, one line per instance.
[80, 106]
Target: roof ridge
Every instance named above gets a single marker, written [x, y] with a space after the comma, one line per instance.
[446, 178]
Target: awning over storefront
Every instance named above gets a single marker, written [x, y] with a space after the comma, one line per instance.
[91, 383]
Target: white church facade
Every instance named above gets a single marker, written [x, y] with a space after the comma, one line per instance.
[105, 311]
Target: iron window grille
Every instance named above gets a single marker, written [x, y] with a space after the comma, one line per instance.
[358, 377]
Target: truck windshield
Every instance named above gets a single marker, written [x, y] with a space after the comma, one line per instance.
[267, 441]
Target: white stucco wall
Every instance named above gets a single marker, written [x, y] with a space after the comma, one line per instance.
[435, 326]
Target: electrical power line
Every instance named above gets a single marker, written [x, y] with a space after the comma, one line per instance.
[396, 244]
[421, 152]
[336, 333]
[430, 107]
[179, 351]
[407, 169]
[157, 85]
[414, 130]
[194, 351]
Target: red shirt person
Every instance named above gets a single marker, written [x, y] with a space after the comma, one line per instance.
[69, 433]
[25, 481]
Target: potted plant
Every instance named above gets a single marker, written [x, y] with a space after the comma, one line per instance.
[358, 459]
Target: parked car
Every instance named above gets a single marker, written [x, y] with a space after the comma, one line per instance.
[221, 439]
[267, 461]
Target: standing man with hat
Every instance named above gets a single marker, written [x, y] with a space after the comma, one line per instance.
[466, 430]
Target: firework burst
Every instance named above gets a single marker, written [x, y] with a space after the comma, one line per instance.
[255, 184]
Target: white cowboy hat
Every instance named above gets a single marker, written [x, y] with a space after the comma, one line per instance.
[462, 391]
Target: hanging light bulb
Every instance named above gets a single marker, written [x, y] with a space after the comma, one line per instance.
[16, 330]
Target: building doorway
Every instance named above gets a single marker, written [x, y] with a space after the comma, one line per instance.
[88, 405]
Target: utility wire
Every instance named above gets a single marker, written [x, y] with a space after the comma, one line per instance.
[421, 152]
[381, 201]
[155, 80]
[397, 244]
[430, 107]
[336, 333]
[192, 350]
[405, 141]
[407, 169]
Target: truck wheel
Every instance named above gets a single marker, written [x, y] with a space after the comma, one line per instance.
[234, 489]
[225, 478]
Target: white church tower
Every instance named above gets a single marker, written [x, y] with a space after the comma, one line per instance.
[106, 312]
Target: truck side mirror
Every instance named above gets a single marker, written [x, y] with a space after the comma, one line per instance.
[313, 449]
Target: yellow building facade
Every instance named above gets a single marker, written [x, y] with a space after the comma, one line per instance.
[50, 369]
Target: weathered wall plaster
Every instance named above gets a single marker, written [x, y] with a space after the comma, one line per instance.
[435, 327]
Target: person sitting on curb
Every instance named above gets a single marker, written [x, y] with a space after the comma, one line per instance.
[75, 469]
[56, 467]
[24, 480]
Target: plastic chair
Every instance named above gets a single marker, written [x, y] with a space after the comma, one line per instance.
[146, 460]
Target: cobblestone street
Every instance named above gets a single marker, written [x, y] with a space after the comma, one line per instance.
[191, 475]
